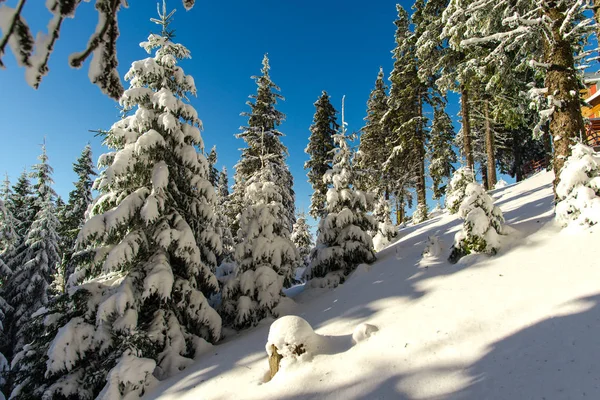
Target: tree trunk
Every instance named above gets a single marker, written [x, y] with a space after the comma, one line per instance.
[420, 144]
[561, 80]
[518, 163]
[466, 127]
[547, 145]
[490, 149]
[484, 176]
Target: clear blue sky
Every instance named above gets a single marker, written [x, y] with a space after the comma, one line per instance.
[332, 45]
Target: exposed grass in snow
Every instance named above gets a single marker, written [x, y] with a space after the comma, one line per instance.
[520, 325]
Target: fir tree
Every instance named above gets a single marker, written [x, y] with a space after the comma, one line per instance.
[386, 231]
[5, 308]
[213, 172]
[482, 227]
[222, 222]
[27, 289]
[263, 138]
[142, 310]
[265, 256]
[404, 118]
[455, 192]
[343, 240]
[372, 147]
[303, 240]
[74, 212]
[8, 223]
[440, 152]
[320, 145]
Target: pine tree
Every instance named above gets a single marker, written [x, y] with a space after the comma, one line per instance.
[303, 240]
[343, 240]
[482, 227]
[372, 148]
[8, 223]
[74, 212]
[223, 223]
[440, 152]
[265, 256]
[262, 137]
[386, 231]
[213, 172]
[142, 311]
[320, 145]
[5, 308]
[455, 192]
[404, 118]
[27, 289]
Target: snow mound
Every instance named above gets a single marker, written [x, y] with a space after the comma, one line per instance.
[363, 332]
[293, 337]
[500, 184]
[579, 188]
[433, 247]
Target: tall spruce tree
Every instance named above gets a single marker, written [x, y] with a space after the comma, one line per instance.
[320, 145]
[142, 310]
[213, 172]
[372, 148]
[263, 138]
[5, 308]
[440, 152]
[265, 255]
[27, 288]
[8, 223]
[74, 212]
[405, 119]
[343, 240]
[222, 222]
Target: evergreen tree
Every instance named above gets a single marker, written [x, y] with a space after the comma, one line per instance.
[265, 255]
[303, 240]
[222, 223]
[320, 145]
[455, 192]
[80, 198]
[8, 223]
[343, 240]
[386, 231]
[213, 172]
[405, 120]
[263, 138]
[372, 148]
[5, 308]
[441, 154]
[482, 227]
[27, 289]
[141, 311]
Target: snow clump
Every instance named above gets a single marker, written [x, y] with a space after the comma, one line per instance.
[500, 184]
[293, 338]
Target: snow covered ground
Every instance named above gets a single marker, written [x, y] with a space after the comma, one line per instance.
[523, 324]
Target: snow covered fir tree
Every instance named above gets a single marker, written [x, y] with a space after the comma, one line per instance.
[263, 139]
[137, 303]
[304, 242]
[343, 240]
[265, 255]
[154, 272]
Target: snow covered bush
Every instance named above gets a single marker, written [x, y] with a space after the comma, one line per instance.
[265, 255]
[433, 247]
[136, 306]
[455, 192]
[500, 184]
[386, 231]
[343, 240]
[579, 188]
[482, 226]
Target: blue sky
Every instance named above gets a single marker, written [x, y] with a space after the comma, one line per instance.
[332, 45]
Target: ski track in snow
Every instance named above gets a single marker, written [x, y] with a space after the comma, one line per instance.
[523, 324]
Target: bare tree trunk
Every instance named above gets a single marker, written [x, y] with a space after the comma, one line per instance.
[490, 149]
[547, 145]
[484, 176]
[420, 144]
[466, 127]
[561, 80]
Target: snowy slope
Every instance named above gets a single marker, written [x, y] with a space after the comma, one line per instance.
[521, 325]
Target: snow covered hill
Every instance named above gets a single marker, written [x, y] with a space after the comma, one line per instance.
[523, 324]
